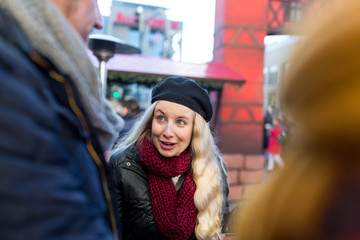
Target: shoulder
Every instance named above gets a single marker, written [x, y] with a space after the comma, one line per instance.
[117, 157]
[120, 156]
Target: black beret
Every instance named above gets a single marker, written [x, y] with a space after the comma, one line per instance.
[186, 92]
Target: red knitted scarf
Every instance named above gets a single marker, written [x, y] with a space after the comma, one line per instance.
[175, 212]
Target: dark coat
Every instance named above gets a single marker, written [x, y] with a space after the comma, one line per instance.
[52, 168]
[133, 195]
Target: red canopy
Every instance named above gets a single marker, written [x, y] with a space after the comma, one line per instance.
[143, 65]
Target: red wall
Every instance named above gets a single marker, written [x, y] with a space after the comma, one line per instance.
[240, 28]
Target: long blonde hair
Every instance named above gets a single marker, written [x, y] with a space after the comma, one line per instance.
[208, 169]
[320, 95]
[139, 130]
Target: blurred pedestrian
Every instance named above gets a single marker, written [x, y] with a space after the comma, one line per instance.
[130, 110]
[55, 124]
[316, 196]
[171, 181]
[274, 146]
[268, 119]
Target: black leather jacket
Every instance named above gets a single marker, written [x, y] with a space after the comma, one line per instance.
[133, 196]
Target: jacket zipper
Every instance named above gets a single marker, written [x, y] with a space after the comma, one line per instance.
[74, 107]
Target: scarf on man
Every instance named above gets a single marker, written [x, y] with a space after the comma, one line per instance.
[55, 38]
[175, 212]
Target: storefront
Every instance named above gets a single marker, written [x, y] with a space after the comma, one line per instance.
[133, 76]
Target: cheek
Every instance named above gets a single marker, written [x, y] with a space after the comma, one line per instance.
[155, 131]
[186, 136]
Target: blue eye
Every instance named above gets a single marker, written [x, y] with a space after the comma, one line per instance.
[160, 118]
[181, 122]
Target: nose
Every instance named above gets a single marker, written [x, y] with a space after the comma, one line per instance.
[98, 24]
[168, 131]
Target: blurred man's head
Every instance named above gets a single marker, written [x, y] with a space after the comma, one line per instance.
[84, 15]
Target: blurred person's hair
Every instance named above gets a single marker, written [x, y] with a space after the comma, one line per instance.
[132, 105]
[321, 95]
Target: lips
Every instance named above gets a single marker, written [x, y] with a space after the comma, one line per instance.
[167, 145]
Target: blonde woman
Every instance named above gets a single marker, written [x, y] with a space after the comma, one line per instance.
[170, 180]
[317, 196]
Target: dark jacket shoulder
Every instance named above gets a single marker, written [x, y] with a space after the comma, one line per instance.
[133, 195]
[41, 139]
[125, 157]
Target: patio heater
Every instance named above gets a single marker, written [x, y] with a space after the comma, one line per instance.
[105, 47]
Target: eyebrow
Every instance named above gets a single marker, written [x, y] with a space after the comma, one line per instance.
[181, 116]
[159, 110]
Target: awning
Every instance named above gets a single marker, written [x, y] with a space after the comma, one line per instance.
[128, 68]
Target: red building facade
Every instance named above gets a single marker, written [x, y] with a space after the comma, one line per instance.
[240, 28]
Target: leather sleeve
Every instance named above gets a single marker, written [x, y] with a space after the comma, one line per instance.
[115, 172]
[226, 214]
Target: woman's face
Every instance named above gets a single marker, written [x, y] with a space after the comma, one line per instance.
[172, 127]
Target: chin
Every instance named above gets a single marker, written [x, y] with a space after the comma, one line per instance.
[167, 155]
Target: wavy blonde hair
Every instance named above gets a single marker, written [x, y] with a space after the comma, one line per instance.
[139, 130]
[208, 169]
